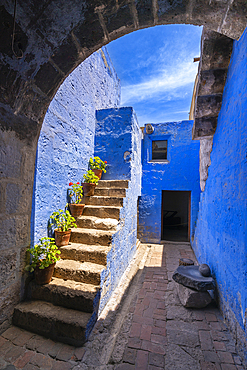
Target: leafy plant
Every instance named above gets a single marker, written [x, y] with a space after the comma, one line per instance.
[91, 178]
[76, 193]
[43, 254]
[96, 163]
[63, 220]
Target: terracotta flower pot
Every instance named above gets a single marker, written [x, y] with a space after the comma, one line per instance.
[44, 276]
[88, 189]
[97, 173]
[76, 209]
[62, 237]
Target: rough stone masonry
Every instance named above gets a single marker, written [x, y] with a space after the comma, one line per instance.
[51, 39]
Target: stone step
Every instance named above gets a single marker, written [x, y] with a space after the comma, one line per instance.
[66, 293]
[91, 222]
[85, 253]
[83, 272]
[124, 184]
[105, 201]
[55, 322]
[102, 211]
[91, 236]
[109, 192]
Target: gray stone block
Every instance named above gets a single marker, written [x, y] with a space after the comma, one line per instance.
[192, 298]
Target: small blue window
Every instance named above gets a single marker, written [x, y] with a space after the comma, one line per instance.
[159, 149]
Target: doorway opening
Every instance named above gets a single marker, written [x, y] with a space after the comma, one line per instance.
[175, 217]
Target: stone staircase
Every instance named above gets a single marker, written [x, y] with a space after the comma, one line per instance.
[66, 309]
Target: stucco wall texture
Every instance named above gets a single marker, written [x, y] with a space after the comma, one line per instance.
[220, 237]
[66, 139]
[180, 172]
[118, 140]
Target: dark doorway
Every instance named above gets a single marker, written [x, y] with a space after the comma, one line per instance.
[175, 218]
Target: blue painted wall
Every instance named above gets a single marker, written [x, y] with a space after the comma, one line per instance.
[115, 141]
[118, 140]
[179, 172]
[66, 140]
[220, 238]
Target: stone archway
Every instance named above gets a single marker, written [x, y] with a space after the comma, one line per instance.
[51, 39]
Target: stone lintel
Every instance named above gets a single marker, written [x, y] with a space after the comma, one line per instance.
[208, 105]
[212, 81]
[235, 21]
[216, 50]
[172, 12]
[204, 127]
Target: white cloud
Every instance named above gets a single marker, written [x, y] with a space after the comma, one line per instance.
[165, 82]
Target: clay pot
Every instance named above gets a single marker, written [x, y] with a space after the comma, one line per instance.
[76, 209]
[44, 276]
[88, 189]
[62, 237]
[97, 173]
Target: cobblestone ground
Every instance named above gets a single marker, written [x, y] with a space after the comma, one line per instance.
[148, 329]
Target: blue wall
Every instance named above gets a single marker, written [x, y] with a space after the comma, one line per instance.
[115, 141]
[220, 238]
[66, 140]
[118, 132]
[179, 172]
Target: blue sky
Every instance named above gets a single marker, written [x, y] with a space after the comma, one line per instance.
[157, 72]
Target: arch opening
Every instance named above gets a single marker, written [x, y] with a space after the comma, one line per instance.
[28, 85]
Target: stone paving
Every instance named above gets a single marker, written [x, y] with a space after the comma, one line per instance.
[148, 329]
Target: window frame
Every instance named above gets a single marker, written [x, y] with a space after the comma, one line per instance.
[150, 152]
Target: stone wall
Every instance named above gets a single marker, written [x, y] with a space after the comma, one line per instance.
[179, 172]
[220, 237]
[66, 140]
[65, 144]
[16, 173]
[118, 140]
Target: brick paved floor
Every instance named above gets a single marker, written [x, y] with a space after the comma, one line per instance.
[156, 331]
[166, 335]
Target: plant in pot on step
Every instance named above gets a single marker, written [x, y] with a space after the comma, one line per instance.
[97, 166]
[76, 194]
[63, 221]
[44, 256]
[90, 181]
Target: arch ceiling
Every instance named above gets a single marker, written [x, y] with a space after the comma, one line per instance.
[53, 36]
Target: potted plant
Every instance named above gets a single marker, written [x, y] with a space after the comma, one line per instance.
[90, 181]
[76, 195]
[97, 166]
[63, 222]
[44, 257]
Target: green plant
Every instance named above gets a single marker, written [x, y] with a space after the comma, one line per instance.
[96, 163]
[91, 178]
[63, 220]
[76, 193]
[43, 254]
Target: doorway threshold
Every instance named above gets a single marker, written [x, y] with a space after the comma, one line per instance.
[174, 242]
